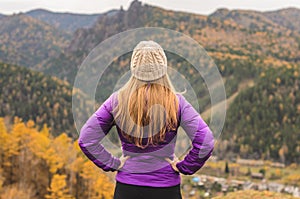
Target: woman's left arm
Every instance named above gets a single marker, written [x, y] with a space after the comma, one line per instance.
[93, 131]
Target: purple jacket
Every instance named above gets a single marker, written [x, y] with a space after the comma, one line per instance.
[147, 167]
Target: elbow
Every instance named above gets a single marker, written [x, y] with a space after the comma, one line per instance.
[80, 143]
[211, 145]
[81, 139]
[207, 147]
[83, 145]
[210, 141]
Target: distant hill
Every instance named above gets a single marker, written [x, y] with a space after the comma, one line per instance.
[245, 19]
[239, 41]
[26, 41]
[256, 34]
[263, 121]
[237, 33]
[69, 22]
[288, 17]
[33, 95]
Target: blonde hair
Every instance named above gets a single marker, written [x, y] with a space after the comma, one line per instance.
[137, 113]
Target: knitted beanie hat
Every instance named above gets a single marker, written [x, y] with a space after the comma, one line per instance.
[148, 61]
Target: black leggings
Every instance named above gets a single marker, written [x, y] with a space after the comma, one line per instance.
[127, 191]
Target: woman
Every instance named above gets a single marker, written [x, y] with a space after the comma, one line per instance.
[147, 113]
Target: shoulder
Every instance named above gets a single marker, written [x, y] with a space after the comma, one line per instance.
[186, 107]
[182, 102]
[110, 102]
[179, 96]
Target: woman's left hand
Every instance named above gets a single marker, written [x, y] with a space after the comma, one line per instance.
[123, 160]
[173, 163]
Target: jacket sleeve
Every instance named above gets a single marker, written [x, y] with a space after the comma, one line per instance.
[93, 131]
[200, 135]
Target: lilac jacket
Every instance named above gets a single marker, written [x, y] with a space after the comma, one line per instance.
[147, 167]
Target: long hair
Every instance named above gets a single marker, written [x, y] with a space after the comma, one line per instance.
[146, 110]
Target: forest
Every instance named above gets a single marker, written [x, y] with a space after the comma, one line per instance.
[35, 96]
[35, 164]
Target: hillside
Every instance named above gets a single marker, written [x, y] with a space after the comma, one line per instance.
[233, 46]
[34, 96]
[26, 41]
[288, 17]
[244, 44]
[238, 35]
[263, 121]
[66, 64]
[69, 22]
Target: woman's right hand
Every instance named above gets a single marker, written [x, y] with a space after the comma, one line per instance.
[173, 163]
[123, 160]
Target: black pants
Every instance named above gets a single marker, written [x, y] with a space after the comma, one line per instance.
[126, 191]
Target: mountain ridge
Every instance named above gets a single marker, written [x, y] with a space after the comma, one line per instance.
[66, 21]
[221, 35]
[27, 41]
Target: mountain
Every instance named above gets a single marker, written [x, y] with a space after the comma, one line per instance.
[26, 41]
[239, 41]
[263, 121]
[288, 17]
[69, 22]
[256, 34]
[243, 34]
[44, 99]
[245, 19]
[244, 44]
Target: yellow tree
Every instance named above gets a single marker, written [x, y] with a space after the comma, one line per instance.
[42, 146]
[10, 149]
[75, 166]
[25, 157]
[98, 184]
[3, 146]
[9, 145]
[63, 148]
[1, 179]
[103, 187]
[58, 188]
[13, 144]
[47, 160]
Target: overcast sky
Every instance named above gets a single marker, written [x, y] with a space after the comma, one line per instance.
[99, 6]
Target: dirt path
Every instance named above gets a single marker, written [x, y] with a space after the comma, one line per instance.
[243, 85]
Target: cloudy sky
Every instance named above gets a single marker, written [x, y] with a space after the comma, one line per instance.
[99, 6]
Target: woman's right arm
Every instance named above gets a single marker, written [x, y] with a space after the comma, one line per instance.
[93, 131]
[200, 135]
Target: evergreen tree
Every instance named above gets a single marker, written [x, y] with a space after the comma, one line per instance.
[226, 167]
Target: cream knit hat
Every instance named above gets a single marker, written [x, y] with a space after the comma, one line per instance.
[148, 61]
